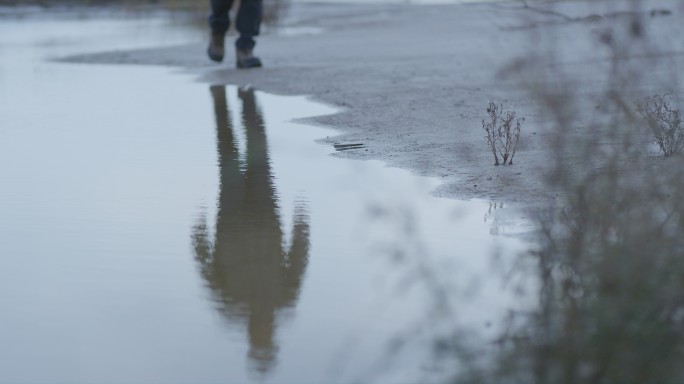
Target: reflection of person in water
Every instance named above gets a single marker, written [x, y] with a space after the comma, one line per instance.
[248, 268]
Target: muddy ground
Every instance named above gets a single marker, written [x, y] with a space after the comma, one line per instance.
[414, 81]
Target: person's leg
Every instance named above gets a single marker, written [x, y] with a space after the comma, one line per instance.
[219, 22]
[248, 23]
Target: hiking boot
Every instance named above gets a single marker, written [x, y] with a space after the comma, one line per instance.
[216, 50]
[245, 59]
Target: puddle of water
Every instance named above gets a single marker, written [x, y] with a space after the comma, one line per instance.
[159, 230]
[52, 36]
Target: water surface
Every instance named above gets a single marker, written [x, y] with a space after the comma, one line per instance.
[156, 229]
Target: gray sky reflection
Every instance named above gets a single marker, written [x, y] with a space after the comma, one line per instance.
[104, 171]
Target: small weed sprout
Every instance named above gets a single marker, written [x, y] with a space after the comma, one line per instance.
[665, 123]
[502, 133]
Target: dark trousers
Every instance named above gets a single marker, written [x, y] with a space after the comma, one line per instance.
[247, 22]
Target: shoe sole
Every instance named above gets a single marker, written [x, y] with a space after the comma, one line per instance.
[214, 57]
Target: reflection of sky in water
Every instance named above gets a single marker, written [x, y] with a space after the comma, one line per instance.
[106, 171]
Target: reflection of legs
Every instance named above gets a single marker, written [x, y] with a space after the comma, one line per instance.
[219, 23]
[232, 182]
[230, 179]
[255, 132]
[293, 262]
[227, 148]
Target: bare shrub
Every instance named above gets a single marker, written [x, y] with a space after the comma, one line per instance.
[502, 133]
[665, 123]
[608, 266]
[610, 307]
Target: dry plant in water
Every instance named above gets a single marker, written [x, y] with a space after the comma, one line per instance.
[665, 123]
[502, 133]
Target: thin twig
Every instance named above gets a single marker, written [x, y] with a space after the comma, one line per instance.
[547, 11]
